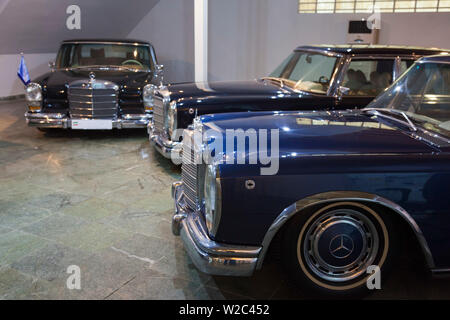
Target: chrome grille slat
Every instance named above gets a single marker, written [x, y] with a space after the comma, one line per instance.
[158, 113]
[189, 174]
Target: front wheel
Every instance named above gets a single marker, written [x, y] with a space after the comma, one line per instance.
[333, 250]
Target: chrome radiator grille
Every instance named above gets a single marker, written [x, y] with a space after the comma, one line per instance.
[93, 101]
[158, 113]
[189, 174]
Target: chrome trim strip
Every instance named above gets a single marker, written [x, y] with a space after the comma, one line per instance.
[62, 121]
[338, 79]
[433, 61]
[383, 56]
[328, 197]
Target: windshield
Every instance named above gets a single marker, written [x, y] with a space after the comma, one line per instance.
[423, 94]
[307, 71]
[106, 55]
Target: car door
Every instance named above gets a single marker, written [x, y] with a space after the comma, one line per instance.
[363, 79]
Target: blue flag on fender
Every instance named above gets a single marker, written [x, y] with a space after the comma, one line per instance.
[23, 72]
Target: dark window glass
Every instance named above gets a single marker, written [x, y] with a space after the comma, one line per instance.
[368, 77]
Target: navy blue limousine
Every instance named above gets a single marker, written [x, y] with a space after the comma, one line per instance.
[348, 184]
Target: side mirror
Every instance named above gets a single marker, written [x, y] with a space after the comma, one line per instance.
[51, 64]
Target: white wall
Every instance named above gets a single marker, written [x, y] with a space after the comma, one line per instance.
[10, 84]
[169, 26]
[248, 39]
[37, 27]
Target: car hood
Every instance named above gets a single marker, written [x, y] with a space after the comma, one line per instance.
[225, 89]
[323, 133]
[122, 78]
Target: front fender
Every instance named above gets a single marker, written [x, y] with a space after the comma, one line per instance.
[355, 196]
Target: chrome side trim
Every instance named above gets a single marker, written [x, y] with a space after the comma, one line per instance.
[319, 51]
[397, 66]
[328, 197]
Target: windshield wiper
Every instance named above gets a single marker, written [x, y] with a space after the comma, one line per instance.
[379, 112]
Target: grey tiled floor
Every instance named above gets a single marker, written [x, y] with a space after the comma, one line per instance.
[101, 201]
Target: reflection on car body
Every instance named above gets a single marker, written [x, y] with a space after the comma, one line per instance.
[357, 179]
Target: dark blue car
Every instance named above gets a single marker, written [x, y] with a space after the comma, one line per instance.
[319, 77]
[348, 185]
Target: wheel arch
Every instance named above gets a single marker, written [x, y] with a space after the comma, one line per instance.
[337, 196]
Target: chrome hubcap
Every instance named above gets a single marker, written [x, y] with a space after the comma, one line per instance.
[340, 245]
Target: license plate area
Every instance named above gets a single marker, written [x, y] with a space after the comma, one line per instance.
[94, 124]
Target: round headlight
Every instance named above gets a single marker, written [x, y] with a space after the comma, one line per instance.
[33, 92]
[147, 96]
[172, 118]
[211, 198]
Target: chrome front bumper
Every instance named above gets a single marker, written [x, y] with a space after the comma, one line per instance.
[209, 256]
[166, 147]
[62, 121]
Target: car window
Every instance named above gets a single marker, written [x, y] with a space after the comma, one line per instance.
[86, 54]
[423, 94]
[279, 70]
[368, 77]
[313, 67]
[307, 71]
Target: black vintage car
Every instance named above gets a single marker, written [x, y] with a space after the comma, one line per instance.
[96, 84]
[312, 77]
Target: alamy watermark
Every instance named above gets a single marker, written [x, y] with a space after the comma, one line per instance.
[236, 146]
[374, 280]
[73, 282]
[73, 21]
[374, 20]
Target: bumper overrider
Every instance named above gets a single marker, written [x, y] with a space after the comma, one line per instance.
[62, 121]
[162, 143]
[209, 256]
